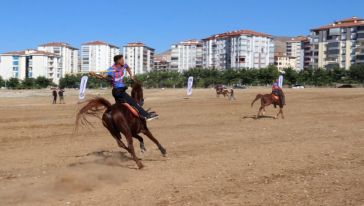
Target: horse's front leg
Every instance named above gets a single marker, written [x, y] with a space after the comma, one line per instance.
[279, 112]
[151, 137]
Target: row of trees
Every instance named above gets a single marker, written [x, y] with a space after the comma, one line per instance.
[209, 77]
[28, 83]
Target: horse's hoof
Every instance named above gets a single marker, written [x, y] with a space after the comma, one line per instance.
[142, 148]
[140, 165]
[163, 151]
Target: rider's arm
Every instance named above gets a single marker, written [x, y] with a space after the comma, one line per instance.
[128, 69]
[99, 76]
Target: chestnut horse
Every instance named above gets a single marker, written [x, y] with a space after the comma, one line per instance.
[220, 89]
[266, 100]
[120, 118]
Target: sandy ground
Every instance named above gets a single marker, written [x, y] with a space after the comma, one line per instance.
[217, 153]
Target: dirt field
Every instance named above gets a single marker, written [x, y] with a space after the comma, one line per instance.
[217, 154]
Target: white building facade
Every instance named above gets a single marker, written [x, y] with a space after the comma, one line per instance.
[69, 56]
[295, 49]
[139, 57]
[186, 55]
[284, 62]
[97, 56]
[238, 49]
[338, 44]
[30, 64]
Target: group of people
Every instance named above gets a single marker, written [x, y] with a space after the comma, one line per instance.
[58, 92]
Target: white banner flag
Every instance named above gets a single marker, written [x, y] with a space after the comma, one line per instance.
[189, 86]
[83, 87]
[280, 81]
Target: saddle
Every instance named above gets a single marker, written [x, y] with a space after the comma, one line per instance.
[275, 97]
[131, 109]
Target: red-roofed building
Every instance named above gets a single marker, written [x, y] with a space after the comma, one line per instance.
[238, 49]
[339, 44]
[162, 61]
[139, 57]
[30, 63]
[97, 56]
[69, 56]
[186, 55]
[295, 51]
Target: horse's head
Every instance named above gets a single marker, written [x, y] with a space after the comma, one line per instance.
[137, 92]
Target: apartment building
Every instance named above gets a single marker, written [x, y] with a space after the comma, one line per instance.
[296, 50]
[238, 49]
[162, 61]
[186, 55]
[97, 56]
[139, 57]
[339, 44]
[285, 61]
[68, 56]
[30, 64]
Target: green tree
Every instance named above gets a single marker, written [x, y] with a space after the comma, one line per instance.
[43, 82]
[357, 73]
[268, 75]
[305, 76]
[70, 81]
[2, 82]
[290, 76]
[321, 77]
[230, 76]
[28, 83]
[13, 83]
[337, 74]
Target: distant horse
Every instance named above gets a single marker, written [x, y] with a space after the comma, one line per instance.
[266, 100]
[120, 118]
[220, 89]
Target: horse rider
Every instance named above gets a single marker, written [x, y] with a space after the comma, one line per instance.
[279, 92]
[232, 96]
[116, 74]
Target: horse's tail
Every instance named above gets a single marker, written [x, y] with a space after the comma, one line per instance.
[93, 108]
[256, 98]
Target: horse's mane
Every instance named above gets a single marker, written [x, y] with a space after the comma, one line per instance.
[137, 89]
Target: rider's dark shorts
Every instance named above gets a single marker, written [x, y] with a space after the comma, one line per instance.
[119, 94]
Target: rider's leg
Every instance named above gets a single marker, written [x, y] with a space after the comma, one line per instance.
[133, 103]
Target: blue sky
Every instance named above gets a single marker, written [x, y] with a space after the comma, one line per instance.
[159, 23]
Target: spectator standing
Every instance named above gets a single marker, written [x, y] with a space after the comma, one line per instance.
[61, 97]
[54, 93]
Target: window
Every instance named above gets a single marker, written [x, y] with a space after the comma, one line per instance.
[360, 35]
[30, 72]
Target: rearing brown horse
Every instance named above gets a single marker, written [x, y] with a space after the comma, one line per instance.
[266, 100]
[120, 118]
[220, 89]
